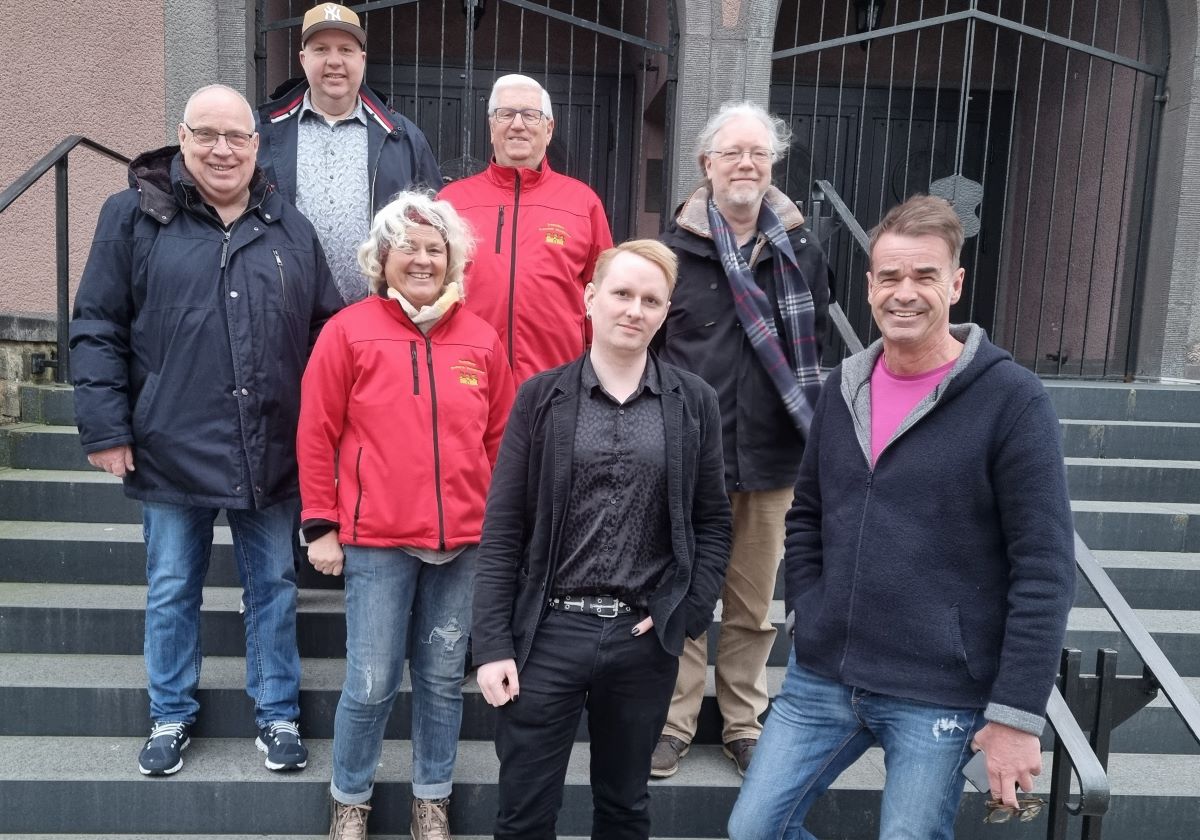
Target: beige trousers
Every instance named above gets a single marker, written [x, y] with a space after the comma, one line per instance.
[746, 633]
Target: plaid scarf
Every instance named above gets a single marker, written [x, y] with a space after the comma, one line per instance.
[798, 381]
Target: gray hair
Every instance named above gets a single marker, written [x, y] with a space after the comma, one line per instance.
[227, 89]
[516, 80]
[777, 130]
[390, 230]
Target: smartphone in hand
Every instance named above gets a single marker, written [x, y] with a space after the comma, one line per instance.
[977, 773]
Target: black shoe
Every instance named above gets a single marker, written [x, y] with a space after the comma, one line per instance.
[280, 740]
[161, 754]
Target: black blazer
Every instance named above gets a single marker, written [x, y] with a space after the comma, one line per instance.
[522, 528]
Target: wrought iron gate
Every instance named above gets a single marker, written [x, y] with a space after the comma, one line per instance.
[1038, 118]
[609, 66]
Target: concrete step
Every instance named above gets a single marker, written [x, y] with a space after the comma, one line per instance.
[66, 618]
[50, 404]
[79, 495]
[1128, 480]
[113, 553]
[92, 496]
[1131, 439]
[109, 553]
[223, 787]
[39, 446]
[1143, 401]
[1148, 579]
[104, 695]
[1153, 402]
[1138, 526]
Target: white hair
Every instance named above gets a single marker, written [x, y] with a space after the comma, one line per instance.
[516, 80]
[780, 136]
[390, 230]
[208, 88]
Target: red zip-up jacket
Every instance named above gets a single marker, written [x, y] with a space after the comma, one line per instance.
[399, 431]
[538, 235]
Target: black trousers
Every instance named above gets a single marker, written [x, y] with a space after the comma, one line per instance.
[625, 682]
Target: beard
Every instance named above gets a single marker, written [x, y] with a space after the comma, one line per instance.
[743, 195]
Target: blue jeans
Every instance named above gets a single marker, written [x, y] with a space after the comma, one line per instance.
[388, 592]
[817, 728]
[178, 547]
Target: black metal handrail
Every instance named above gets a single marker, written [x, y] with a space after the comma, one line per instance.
[57, 158]
[1153, 659]
[1093, 778]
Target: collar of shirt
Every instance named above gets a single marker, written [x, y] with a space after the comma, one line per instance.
[307, 108]
[591, 382]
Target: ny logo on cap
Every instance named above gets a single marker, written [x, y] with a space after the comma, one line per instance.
[333, 11]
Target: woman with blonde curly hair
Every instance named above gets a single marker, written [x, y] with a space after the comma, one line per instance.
[403, 405]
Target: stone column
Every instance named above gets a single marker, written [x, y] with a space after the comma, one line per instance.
[206, 42]
[1169, 345]
[724, 53]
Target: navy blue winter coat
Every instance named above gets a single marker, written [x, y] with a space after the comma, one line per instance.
[943, 572]
[189, 341]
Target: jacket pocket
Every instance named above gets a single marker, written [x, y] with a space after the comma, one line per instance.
[956, 641]
[358, 497]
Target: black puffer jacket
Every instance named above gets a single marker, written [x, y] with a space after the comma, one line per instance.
[188, 341]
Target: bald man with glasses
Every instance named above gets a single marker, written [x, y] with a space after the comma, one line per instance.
[202, 294]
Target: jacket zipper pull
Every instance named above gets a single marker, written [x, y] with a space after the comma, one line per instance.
[499, 227]
[282, 285]
[224, 250]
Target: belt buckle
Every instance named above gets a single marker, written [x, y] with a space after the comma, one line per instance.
[572, 604]
[603, 610]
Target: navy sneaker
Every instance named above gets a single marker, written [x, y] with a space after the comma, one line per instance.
[280, 740]
[162, 753]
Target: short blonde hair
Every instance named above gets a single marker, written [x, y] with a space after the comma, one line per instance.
[390, 230]
[648, 249]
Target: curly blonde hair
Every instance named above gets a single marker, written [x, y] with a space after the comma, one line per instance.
[390, 230]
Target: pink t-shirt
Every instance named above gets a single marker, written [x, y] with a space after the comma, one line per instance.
[893, 396]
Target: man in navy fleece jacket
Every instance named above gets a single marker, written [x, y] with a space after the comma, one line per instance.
[929, 559]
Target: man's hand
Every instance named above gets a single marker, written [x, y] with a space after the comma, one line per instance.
[1013, 758]
[118, 460]
[498, 681]
[325, 554]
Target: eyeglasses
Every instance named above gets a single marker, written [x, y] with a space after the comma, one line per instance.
[236, 140]
[759, 156]
[529, 116]
[1026, 810]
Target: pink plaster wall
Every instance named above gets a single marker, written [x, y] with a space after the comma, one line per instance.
[72, 67]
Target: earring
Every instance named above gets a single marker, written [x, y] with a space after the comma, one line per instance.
[588, 315]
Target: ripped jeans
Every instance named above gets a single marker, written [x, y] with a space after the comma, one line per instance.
[817, 728]
[390, 594]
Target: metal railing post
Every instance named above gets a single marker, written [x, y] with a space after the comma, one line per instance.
[1102, 726]
[62, 237]
[1060, 770]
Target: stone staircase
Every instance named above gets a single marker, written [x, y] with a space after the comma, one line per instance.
[72, 685]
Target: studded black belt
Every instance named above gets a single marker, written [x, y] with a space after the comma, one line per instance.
[605, 606]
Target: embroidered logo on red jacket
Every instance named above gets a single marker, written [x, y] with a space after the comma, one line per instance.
[555, 233]
[468, 372]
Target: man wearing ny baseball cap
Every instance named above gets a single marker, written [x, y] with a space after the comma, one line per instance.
[334, 148]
